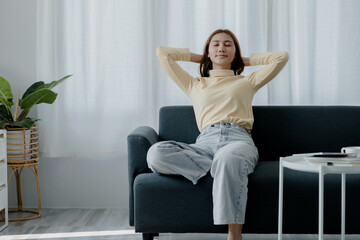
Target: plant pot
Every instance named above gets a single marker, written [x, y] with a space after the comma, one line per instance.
[22, 145]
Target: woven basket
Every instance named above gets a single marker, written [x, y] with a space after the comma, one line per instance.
[22, 145]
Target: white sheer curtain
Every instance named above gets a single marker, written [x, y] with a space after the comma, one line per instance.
[118, 84]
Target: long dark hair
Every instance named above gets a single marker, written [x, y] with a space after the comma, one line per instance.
[206, 64]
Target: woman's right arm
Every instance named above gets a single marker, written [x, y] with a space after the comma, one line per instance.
[168, 58]
[195, 58]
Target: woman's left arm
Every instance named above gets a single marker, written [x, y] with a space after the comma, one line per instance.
[273, 61]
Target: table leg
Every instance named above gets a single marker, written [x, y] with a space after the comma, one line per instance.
[281, 189]
[343, 209]
[321, 202]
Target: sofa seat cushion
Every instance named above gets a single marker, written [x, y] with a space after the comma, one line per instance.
[185, 207]
[173, 200]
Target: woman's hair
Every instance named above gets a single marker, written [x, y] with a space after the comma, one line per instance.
[206, 64]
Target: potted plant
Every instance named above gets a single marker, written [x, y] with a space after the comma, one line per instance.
[22, 130]
[38, 92]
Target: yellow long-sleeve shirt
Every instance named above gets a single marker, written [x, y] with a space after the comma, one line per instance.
[223, 96]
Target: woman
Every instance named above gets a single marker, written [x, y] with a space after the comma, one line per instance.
[222, 101]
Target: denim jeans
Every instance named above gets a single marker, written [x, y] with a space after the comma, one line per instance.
[228, 151]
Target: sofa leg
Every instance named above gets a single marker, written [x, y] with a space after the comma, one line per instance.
[149, 236]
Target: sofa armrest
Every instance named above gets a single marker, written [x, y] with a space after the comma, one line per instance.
[139, 141]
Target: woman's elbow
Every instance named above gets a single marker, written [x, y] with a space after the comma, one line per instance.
[161, 52]
[284, 56]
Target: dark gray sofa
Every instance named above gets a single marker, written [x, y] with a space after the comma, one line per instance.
[160, 203]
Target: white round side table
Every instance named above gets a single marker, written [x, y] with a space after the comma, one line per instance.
[298, 163]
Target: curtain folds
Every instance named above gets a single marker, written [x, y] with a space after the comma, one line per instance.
[118, 84]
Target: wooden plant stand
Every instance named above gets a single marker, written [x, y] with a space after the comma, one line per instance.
[23, 153]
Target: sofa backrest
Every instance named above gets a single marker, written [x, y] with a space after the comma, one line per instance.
[278, 130]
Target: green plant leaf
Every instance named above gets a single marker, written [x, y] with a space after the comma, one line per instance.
[4, 114]
[44, 95]
[25, 123]
[54, 83]
[32, 89]
[3, 111]
[6, 94]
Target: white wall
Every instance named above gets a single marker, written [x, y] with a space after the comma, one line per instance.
[76, 182]
[18, 42]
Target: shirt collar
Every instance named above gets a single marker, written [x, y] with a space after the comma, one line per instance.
[221, 72]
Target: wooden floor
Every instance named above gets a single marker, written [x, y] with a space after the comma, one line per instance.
[69, 224]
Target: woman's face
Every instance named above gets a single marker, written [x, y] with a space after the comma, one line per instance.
[222, 51]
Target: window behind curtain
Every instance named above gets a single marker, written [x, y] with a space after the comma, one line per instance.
[118, 84]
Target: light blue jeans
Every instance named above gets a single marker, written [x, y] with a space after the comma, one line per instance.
[228, 151]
